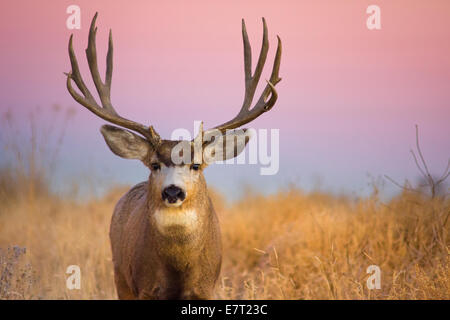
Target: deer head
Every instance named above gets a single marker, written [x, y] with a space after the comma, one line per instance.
[172, 182]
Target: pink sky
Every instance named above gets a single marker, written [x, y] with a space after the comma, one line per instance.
[347, 104]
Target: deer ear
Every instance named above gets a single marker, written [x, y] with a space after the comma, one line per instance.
[228, 146]
[238, 139]
[125, 144]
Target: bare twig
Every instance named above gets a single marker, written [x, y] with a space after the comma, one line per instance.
[445, 174]
[421, 155]
[399, 185]
[422, 166]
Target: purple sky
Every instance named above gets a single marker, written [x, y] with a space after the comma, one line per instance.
[348, 102]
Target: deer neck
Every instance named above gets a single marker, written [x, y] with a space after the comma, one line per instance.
[184, 224]
[181, 233]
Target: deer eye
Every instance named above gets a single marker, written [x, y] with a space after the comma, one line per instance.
[195, 166]
[155, 166]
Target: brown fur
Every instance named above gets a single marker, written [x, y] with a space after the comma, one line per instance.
[176, 264]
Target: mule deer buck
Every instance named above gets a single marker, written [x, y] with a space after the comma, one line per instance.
[164, 233]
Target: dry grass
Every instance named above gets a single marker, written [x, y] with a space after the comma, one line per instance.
[286, 246]
[297, 246]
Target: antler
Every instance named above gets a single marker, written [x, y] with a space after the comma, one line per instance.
[246, 115]
[106, 111]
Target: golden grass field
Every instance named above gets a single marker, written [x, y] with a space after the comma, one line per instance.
[290, 245]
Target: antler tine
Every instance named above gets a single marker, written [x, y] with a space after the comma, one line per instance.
[106, 111]
[76, 76]
[109, 62]
[270, 87]
[91, 54]
[260, 65]
[246, 115]
[251, 82]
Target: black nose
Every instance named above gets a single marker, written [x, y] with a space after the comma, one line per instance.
[173, 193]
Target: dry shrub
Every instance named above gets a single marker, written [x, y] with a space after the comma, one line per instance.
[16, 277]
[29, 152]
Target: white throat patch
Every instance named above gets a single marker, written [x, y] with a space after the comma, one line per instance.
[166, 218]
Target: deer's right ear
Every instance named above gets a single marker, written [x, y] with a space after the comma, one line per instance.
[125, 144]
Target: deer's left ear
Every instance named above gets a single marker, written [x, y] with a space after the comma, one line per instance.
[228, 146]
[125, 144]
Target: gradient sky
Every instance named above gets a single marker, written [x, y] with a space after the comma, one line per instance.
[348, 101]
